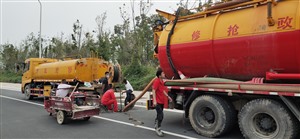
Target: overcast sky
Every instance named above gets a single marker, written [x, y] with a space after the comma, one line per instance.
[21, 17]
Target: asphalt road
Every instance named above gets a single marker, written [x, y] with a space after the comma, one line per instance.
[28, 119]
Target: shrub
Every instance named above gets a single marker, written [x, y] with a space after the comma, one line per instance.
[139, 76]
[9, 76]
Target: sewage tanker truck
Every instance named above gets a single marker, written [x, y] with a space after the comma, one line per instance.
[235, 62]
[40, 73]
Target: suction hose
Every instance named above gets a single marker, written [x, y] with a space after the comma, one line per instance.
[140, 96]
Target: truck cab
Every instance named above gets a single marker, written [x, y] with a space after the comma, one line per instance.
[30, 65]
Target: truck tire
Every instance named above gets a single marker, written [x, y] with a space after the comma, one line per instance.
[61, 117]
[268, 119]
[211, 116]
[27, 92]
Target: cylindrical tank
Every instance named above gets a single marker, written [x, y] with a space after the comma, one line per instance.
[84, 69]
[237, 44]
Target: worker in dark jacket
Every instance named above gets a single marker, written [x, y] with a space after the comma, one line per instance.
[105, 85]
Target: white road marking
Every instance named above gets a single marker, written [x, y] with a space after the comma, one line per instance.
[107, 119]
[141, 106]
[22, 100]
[144, 127]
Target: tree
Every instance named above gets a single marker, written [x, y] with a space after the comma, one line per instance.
[88, 45]
[76, 37]
[31, 43]
[103, 43]
[187, 6]
[9, 56]
[57, 48]
[137, 41]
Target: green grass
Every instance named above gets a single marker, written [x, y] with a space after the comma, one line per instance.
[10, 76]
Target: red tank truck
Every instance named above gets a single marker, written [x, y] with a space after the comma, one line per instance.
[242, 60]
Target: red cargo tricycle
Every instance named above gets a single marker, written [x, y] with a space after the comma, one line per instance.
[79, 105]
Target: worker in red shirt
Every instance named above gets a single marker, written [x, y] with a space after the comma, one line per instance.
[160, 96]
[109, 98]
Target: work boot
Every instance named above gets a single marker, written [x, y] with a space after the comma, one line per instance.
[159, 132]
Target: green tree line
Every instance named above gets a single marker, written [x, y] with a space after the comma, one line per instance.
[130, 44]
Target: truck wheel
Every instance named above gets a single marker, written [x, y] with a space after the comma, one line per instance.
[265, 118]
[211, 116]
[27, 92]
[61, 117]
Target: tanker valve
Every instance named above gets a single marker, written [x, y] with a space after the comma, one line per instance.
[271, 21]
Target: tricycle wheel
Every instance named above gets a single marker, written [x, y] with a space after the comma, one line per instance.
[61, 117]
[86, 118]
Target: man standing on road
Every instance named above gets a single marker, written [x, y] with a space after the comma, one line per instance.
[159, 92]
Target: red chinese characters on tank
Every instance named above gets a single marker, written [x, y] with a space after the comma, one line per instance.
[196, 35]
[69, 69]
[56, 70]
[284, 22]
[233, 30]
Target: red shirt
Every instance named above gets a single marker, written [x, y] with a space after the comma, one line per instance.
[159, 87]
[108, 95]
